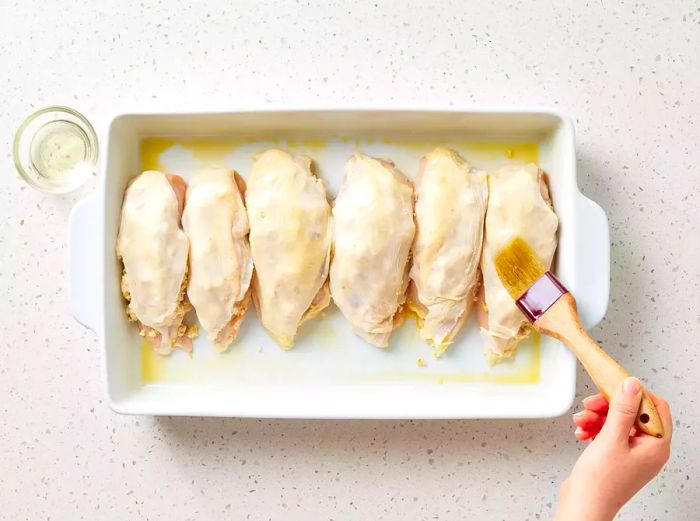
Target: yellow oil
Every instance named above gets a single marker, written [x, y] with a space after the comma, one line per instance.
[212, 150]
[151, 150]
[527, 152]
[153, 365]
[177, 368]
[527, 371]
[206, 367]
[308, 146]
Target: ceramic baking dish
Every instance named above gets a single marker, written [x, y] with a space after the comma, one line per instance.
[331, 373]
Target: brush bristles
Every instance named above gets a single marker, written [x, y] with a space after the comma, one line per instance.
[518, 267]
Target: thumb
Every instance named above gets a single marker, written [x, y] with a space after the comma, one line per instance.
[622, 413]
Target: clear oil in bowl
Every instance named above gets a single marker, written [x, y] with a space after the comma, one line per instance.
[55, 149]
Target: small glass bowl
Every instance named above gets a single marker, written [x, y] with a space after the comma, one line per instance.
[55, 149]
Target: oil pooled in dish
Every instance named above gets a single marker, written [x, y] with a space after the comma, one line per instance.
[221, 265]
[290, 240]
[450, 205]
[519, 206]
[373, 232]
[154, 250]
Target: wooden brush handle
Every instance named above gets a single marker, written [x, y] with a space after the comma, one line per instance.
[561, 321]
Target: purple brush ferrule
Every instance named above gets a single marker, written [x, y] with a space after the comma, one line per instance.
[539, 298]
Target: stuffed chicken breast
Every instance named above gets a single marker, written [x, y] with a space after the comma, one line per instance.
[221, 265]
[154, 250]
[519, 206]
[450, 207]
[290, 240]
[373, 232]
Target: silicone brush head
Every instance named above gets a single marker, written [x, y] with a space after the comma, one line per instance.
[533, 288]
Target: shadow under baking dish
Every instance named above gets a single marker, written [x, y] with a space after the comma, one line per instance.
[326, 350]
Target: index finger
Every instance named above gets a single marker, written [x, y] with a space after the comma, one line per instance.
[596, 403]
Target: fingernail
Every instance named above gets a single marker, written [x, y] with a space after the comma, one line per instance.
[578, 431]
[631, 386]
[578, 414]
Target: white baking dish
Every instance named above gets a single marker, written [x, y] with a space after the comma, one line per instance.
[331, 373]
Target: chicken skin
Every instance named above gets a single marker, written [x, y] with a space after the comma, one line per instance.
[450, 207]
[519, 206]
[154, 250]
[373, 223]
[290, 240]
[221, 266]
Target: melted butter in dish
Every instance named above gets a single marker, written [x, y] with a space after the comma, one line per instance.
[154, 250]
[221, 265]
[290, 240]
[450, 207]
[373, 231]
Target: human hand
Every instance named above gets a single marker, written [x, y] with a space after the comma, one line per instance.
[619, 461]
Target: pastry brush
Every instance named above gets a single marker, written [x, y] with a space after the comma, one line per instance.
[551, 309]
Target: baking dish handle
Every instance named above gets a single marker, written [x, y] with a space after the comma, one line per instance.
[84, 262]
[593, 290]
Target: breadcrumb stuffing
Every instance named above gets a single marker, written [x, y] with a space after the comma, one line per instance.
[192, 331]
[181, 309]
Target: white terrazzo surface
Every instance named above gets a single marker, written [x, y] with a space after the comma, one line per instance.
[628, 73]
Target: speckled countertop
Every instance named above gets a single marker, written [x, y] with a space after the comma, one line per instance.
[628, 75]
